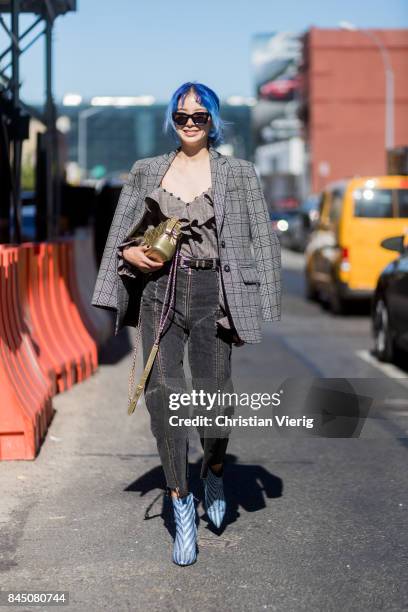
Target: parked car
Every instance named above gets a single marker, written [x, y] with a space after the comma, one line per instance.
[389, 312]
[307, 217]
[27, 216]
[283, 222]
[28, 228]
[343, 256]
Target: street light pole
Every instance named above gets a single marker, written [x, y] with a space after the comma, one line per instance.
[389, 81]
[51, 144]
[389, 90]
[17, 144]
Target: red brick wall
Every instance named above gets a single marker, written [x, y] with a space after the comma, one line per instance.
[344, 90]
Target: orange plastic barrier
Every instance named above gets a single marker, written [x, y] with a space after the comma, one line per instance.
[61, 272]
[45, 346]
[40, 318]
[26, 408]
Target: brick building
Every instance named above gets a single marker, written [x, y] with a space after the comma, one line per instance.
[342, 91]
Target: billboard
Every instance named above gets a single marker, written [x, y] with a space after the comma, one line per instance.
[275, 64]
[275, 60]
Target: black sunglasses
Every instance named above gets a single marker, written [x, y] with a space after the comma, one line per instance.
[199, 118]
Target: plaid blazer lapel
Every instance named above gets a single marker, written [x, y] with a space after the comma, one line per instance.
[158, 169]
[219, 184]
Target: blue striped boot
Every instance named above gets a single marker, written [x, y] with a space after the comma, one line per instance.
[215, 504]
[185, 549]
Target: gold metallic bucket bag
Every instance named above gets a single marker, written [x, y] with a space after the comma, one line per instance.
[162, 239]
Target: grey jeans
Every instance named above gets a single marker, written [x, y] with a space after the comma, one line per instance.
[192, 320]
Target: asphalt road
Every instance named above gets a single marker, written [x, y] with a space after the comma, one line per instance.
[314, 523]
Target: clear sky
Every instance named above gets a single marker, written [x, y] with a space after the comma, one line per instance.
[135, 47]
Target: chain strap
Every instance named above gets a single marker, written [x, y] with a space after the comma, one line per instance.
[133, 396]
[135, 351]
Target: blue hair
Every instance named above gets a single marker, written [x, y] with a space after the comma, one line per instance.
[207, 98]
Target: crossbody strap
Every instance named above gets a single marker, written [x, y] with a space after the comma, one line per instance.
[171, 284]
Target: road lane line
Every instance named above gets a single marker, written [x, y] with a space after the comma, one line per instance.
[391, 370]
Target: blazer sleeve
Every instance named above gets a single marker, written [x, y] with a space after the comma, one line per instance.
[124, 267]
[105, 291]
[267, 249]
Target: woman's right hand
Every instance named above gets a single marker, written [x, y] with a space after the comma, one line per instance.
[135, 255]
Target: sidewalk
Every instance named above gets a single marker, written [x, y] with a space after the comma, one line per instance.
[303, 528]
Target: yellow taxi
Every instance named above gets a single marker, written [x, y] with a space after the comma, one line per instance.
[344, 257]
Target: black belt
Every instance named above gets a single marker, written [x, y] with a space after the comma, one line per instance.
[198, 264]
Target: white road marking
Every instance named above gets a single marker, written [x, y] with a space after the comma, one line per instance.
[397, 401]
[391, 370]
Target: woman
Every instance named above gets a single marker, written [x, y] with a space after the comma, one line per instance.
[227, 280]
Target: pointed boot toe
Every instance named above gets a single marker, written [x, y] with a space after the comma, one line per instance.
[185, 542]
[215, 503]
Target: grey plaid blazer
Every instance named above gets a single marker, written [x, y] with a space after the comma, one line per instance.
[249, 249]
